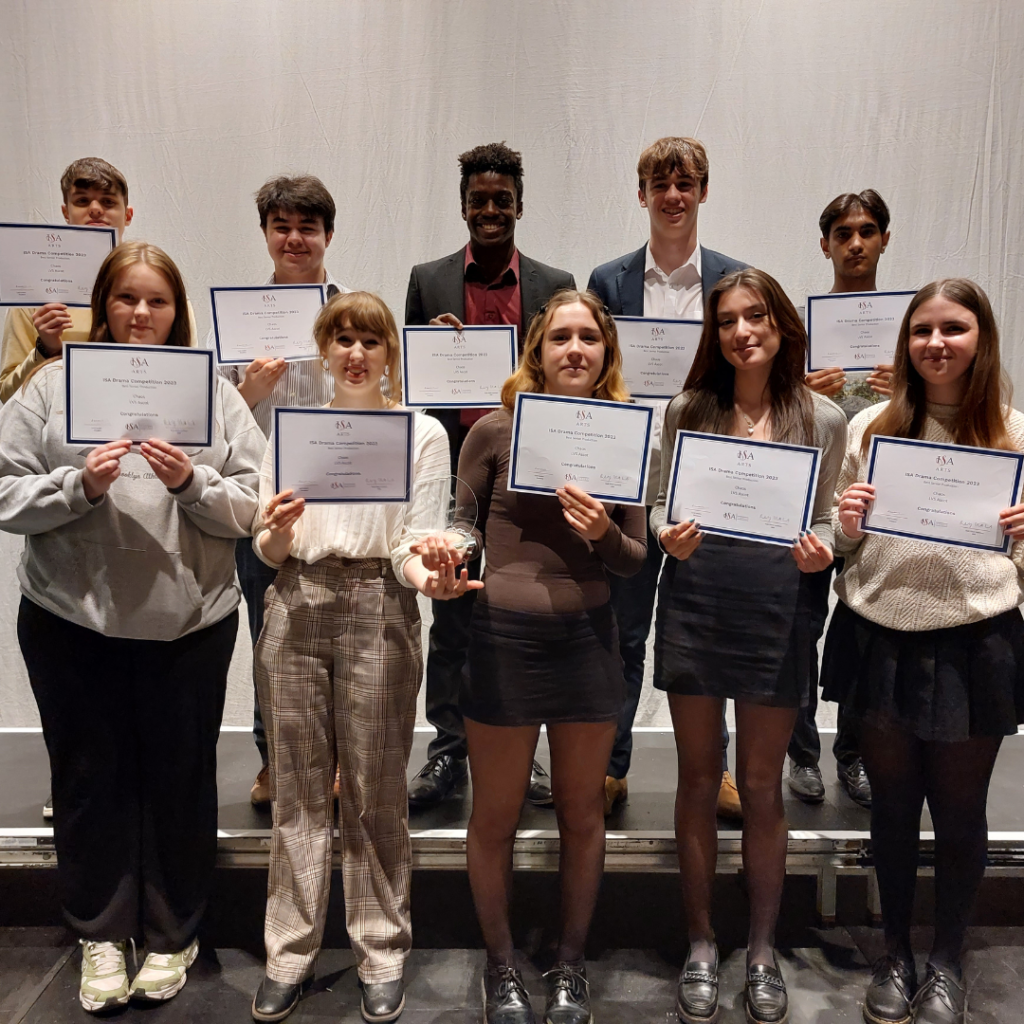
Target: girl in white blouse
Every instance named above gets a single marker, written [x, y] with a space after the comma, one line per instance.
[338, 667]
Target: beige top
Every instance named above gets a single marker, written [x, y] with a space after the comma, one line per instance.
[19, 355]
[829, 436]
[913, 584]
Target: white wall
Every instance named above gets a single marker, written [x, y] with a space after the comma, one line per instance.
[796, 100]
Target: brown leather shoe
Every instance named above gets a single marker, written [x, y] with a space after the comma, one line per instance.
[260, 792]
[729, 799]
[615, 792]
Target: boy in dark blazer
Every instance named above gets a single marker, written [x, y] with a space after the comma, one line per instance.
[487, 281]
[668, 276]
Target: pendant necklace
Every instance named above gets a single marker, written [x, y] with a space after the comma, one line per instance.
[750, 422]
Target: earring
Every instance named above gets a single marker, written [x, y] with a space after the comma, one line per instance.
[387, 370]
[323, 363]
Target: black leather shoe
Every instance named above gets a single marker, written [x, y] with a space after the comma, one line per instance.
[888, 998]
[438, 779]
[765, 995]
[539, 793]
[697, 991]
[382, 1001]
[805, 782]
[274, 1000]
[942, 999]
[854, 779]
[506, 1000]
[568, 995]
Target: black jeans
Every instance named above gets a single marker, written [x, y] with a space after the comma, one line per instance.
[131, 727]
[255, 577]
[633, 602]
[805, 746]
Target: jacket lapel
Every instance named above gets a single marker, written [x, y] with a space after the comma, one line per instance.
[450, 285]
[530, 294]
[630, 283]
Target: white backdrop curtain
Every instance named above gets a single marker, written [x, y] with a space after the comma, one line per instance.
[796, 100]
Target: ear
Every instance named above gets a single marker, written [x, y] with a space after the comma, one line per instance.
[824, 248]
[519, 209]
[64, 213]
[704, 195]
[642, 196]
[463, 207]
[327, 238]
[129, 212]
[885, 240]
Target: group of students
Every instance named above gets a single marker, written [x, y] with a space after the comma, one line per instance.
[135, 556]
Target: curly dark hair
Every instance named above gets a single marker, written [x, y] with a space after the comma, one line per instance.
[494, 156]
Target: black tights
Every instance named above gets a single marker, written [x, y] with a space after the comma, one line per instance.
[905, 771]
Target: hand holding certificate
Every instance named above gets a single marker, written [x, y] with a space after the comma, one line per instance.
[41, 263]
[944, 493]
[657, 354]
[344, 455]
[753, 490]
[447, 368]
[272, 322]
[599, 447]
[854, 330]
[139, 392]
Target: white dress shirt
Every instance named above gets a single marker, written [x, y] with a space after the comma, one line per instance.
[678, 295]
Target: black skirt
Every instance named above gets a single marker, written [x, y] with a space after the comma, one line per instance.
[942, 685]
[738, 620]
[529, 668]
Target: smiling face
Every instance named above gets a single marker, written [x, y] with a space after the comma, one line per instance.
[673, 202]
[943, 344]
[854, 245]
[97, 207]
[745, 332]
[140, 307]
[356, 360]
[572, 352]
[491, 208]
[297, 243]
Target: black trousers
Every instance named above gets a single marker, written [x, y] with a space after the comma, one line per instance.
[254, 577]
[131, 728]
[805, 745]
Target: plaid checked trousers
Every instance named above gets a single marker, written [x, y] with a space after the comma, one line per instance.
[338, 667]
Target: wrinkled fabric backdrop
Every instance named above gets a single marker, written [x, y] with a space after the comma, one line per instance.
[796, 100]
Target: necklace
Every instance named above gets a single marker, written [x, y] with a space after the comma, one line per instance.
[751, 425]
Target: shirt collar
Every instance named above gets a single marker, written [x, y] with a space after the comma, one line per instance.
[650, 266]
[328, 279]
[510, 277]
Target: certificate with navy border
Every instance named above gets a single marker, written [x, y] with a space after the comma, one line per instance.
[41, 263]
[344, 456]
[601, 447]
[854, 330]
[735, 487]
[138, 392]
[657, 354]
[268, 321]
[443, 368]
[944, 493]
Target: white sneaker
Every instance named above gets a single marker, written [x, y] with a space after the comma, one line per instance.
[104, 983]
[163, 974]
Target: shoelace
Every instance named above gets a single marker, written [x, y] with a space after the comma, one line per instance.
[568, 976]
[511, 981]
[104, 957]
[940, 985]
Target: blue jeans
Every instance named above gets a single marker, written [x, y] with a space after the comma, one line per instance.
[633, 601]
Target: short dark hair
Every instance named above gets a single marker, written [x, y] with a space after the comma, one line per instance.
[673, 153]
[93, 172]
[496, 157]
[868, 200]
[305, 195]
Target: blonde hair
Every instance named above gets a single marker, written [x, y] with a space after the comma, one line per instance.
[673, 153]
[529, 375]
[363, 311]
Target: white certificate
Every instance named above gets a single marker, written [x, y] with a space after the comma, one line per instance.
[344, 455]
[445, 368]
[275, 321]
[42, 263]
[138, 391]
[854, 330]
[754, 490]
[945, 493]
[601, 447]
[657, 354]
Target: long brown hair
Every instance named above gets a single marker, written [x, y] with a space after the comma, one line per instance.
[126, 255]
[367, 312]
[981, 418]
[529, 375]
[711, 380]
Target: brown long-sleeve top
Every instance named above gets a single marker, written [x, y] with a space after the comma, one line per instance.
[536, 562]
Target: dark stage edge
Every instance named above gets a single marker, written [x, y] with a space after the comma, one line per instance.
[39, 972]
[826, 840]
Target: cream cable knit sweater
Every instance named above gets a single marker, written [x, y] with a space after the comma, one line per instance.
[915, 585]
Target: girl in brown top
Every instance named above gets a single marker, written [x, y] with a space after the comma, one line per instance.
[544, 651]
